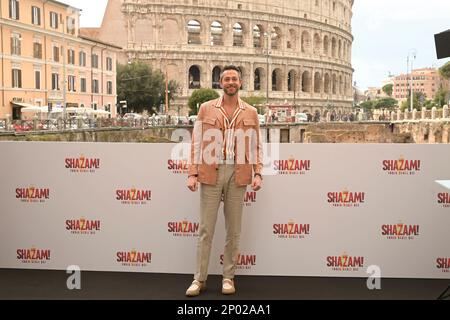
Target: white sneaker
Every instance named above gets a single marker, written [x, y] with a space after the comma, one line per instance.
[228, 286]
[195, 288]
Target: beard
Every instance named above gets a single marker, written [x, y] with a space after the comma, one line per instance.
[234, 90]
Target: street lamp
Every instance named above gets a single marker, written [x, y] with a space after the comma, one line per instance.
[412, 53]
[64, 71]
[266, 36]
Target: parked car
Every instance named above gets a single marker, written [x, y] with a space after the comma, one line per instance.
[132, 116]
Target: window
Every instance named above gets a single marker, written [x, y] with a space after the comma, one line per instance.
[36, 16]
[37, 79]
[53, 20]
[109, 87]
[55, 81]
[16, 78]
[71, 56]
[83, 85]
[56, 53]
[94, 86]
[94, 61]
[109, 64]
[14, 9]
[37, 50]
[82, 58]
[16, 44]
[71, 83]
[70, 25]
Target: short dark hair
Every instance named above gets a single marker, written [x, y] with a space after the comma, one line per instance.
[231, 67]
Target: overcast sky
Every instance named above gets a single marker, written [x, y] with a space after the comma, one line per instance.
[385, 32]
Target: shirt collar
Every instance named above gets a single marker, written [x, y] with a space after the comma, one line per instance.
[219, 103]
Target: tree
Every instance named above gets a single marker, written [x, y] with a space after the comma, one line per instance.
[418, 102]
[142, 87]
[388, 89]
[385, 103]
[198, 97]
[367, 105]
[255, 101]
[440, 99]
[444, 71]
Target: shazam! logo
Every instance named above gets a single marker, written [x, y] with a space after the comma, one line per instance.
[400, 231]
[82, 164]
[133, 258]
[133, 196]
[401, 166]
[292, 166]
[346, 198]
[345, 262]
[33, 255]
[32, 194]
[291, 230]
[183, 228]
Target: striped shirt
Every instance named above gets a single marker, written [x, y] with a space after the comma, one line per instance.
[229, 123]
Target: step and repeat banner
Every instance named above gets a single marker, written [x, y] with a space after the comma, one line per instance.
[324, 210]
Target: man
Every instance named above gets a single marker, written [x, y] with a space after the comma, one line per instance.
[226, 147]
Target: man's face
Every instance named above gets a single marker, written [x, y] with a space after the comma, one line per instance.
[230, 82]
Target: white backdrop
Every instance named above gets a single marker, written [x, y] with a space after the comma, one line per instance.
[318, 237]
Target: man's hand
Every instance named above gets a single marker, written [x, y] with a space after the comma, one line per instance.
[257, 183]
[192, 183]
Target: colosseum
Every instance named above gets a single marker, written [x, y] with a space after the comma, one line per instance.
[290, 52]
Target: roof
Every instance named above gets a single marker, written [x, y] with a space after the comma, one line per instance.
[90, 32]
[100, 42]
[64, 4]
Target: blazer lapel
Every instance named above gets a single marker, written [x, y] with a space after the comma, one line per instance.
[219, 117]
[241, 114]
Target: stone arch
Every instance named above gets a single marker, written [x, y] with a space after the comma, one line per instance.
[215, 77]
[170, 32]
[344, 52]
[326, 45]
[317, 82]
[258, 36]
[143, 31]
[292, 80]
[326, 85]
[333, 47]
[238, 35]
[194, 77]
[341, 85]
[334, 83]
[346, 81]
[258, 79]
[277, 80]
[292, 42]
[317, 43]
[306, 81]
[340, 49]
[243, 77]
[306, 42]
[216, 32]
[194, 32]
[276, 38]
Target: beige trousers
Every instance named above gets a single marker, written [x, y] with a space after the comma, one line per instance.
[210, 197]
